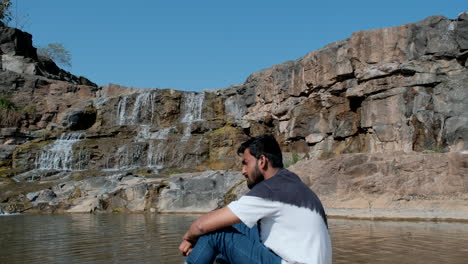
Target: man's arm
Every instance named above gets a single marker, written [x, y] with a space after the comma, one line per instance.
[209, 222]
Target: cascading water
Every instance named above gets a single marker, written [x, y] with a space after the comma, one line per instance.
[59, 155]
[156, 148]
[151, 148]
[192, 106]
[142, 111]
[122, 106]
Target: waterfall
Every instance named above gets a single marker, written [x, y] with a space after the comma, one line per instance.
[157, 155]
[128, 157]
[150, 147]
[143, 108]
[121, 110]
[142, 111]
[58, 155]
[192, 106]
[157, 140]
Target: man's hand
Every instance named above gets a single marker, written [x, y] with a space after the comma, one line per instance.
[209, 222]
[186, 247]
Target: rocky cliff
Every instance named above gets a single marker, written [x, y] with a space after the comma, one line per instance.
[353, 113]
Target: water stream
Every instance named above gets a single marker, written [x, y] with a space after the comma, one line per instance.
[59, 154]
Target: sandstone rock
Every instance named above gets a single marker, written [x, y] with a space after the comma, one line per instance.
[80, 119]
[16, 42]
[314, 138]
[6, 153]
[390, 185]
[389, 91]
[197, 192]
[99, 194]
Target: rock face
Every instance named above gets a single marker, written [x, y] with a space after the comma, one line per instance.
[121, 192]
[397, 185]
[378, 93]
[198, 192]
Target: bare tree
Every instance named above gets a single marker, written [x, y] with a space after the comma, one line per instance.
[5, 11]
[56, 52]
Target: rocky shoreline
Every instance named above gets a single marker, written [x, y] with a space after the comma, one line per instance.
[375, 124]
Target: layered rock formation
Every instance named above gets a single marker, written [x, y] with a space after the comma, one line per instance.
[391, 185]
[368, 99]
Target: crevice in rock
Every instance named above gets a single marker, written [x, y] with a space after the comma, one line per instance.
[355, 103]
[339, 139]
[428, 85]
[444, 57]
[462, 58]
[297, 138]
[363, 131]
[345, 77]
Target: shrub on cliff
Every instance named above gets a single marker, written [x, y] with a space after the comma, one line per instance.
[9, 116]
[56, 52]
[6, 103]
[5, 12]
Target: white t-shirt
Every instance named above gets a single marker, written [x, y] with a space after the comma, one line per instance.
[292, 220]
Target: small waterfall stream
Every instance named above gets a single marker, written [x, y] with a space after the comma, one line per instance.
[59, 154]
[152, 146]
[157, 141]
[192, 106]
[142, 111]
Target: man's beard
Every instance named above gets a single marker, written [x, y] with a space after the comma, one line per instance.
[257, 177]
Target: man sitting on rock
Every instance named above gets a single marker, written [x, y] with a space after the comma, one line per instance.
[280, 220]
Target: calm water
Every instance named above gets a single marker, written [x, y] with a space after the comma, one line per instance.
[154, 239]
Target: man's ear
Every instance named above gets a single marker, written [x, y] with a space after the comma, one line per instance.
[263, 162]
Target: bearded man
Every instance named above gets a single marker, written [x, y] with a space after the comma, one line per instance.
[280, 220]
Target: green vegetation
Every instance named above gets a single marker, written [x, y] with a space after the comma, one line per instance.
[29, 109]
[75, 194]
[118, 210]
[5, 11]
[9, 14]
[224, 130]
[38, 143]
[231, 193]
[294, 159]
[434, 149]
[169, 172]
[6, 103]
[56, 52]
[11, 114]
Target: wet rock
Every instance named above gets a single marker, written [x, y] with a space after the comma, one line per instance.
[116, 193]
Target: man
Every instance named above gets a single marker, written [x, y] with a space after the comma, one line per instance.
[292, 225]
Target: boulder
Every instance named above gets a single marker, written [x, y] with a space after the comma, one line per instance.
[115, 193]
[197, 192]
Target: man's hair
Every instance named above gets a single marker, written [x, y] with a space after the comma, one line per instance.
[264, 145]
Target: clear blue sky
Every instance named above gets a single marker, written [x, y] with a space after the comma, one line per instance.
[197, 45]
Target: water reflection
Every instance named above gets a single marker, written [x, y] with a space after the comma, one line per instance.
[398, 242]
[138, 238]
[86, 238]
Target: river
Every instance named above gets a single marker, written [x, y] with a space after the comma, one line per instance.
[139, 238]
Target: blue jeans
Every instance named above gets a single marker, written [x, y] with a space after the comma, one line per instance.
[235, 244]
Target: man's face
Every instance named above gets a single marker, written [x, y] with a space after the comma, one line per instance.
[250, 169]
